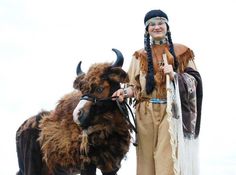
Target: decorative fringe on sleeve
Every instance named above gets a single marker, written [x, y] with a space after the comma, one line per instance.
[184, 55]
[140, 54]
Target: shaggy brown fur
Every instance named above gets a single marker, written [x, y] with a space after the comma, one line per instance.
[60, 136]
[108, 134]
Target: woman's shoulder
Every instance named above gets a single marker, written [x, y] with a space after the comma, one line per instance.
[184, 55]
[182, 50]
[140, 53]
[140, 58]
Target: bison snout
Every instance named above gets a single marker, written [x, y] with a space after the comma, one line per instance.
[81, 119]
[76, 113]
[80, 115]
[76, 116]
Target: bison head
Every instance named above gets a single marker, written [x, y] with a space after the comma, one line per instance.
[97, 86]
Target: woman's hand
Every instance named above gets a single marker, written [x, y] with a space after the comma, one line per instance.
[124, 93]
[120, 94]
[168, 69]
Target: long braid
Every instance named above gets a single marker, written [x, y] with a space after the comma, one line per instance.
[172, 51]
[150, 83]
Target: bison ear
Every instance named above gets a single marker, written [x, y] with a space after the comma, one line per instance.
[117, 74]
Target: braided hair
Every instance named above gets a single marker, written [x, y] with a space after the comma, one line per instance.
[150, 82]
[171, 48]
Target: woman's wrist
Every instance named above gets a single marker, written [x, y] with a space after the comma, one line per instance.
[128, 92]
[125, 93]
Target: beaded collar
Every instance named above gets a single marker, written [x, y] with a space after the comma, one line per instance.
[159, 42]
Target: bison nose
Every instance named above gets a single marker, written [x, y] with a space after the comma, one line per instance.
[80, 113]
[76, 115]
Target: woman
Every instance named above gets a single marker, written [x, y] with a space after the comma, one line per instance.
[158, 152]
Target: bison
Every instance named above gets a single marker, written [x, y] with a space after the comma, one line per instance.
[86, 130]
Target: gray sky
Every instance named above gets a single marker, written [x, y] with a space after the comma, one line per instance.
[41, 43]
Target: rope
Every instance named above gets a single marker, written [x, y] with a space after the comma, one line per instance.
[126, 115]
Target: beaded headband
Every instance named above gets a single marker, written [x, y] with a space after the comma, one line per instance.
[154, 19]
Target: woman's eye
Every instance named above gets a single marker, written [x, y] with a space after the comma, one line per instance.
[152, 24]
[99, 89]
[160, 23]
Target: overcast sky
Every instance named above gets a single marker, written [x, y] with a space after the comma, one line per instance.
[41, 43]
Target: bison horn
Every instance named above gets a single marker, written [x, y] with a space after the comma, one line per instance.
[78, 69]
[119, 60]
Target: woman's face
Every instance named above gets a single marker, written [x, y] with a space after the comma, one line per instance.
[157, 29]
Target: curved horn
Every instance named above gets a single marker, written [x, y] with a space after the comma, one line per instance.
[119, 60]
[78, 69]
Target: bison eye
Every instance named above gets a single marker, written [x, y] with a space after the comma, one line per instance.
[99, 89]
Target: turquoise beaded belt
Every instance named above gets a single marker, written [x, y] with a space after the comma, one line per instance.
[158, 101]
